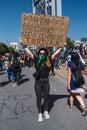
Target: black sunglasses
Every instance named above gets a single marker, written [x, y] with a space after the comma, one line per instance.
[42, 53]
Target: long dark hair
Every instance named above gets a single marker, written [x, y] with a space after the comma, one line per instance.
[75, 58]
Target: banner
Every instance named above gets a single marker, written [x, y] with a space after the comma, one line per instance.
[44, 30]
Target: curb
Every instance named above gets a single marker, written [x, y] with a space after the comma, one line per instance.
[58, 73]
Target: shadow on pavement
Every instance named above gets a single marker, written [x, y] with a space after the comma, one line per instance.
[24, 80]
[53, 98]
[2, 84]
[21, 76]
[1, 73]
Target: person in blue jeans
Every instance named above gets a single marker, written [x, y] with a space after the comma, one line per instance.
[10, 75]
[8, 66]
[57, 61]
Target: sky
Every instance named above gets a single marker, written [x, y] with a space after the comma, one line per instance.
[12, 10]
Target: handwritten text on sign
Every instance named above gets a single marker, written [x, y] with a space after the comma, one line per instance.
[44, 30]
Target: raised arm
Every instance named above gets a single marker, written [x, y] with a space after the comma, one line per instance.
[55, 53]
[29, 52]
[27, 49]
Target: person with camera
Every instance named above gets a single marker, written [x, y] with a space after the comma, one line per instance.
[42, 85]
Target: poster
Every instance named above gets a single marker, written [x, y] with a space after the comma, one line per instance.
[44, 30]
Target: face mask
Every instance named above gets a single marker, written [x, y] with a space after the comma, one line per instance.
[42, 57]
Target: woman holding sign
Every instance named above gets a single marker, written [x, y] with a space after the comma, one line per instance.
[42, 85]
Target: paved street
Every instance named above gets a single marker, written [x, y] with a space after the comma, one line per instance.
[18, 105]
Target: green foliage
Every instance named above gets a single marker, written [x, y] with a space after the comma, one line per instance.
[50, 49]
[3, 48]
[70, 43]
[11, 49]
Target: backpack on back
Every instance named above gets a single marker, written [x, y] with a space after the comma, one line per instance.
[16, 63]
[78, 77]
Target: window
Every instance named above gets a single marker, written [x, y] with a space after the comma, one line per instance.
[49, 1]
[40, 8]
[49, 10]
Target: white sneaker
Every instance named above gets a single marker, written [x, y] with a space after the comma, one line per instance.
[14, 84]
[46, 114]
[40, 117]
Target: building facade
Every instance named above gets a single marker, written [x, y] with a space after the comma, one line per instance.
[14, 45]
[47, 7]
[82, 41]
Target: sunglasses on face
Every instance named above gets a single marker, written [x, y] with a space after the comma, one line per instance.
[42, 53]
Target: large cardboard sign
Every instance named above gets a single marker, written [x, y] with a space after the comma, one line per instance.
[44, 30]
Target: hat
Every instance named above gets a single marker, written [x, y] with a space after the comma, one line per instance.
[44, 49]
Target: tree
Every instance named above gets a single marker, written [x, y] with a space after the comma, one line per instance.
[70, 42]
[11, 49]
[3, 48]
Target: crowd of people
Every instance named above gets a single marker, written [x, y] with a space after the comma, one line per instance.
[73, 58]
[44, 62]
[13, 64]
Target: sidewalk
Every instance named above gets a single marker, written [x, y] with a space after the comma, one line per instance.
[63, 73]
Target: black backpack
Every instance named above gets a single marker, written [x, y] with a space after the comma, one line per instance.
[16, 63]
[78, 77]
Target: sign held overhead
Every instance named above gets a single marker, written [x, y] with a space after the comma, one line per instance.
[44, 30]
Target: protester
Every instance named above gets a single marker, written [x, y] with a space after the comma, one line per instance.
[81, 49]
[57, 61]
[52, 67]
[16, 65]
[6, 68]
[68, 55]
[85, 51]
[63, 56]
[42, 85]
[1, 68]
[9, 69]
[73, 89]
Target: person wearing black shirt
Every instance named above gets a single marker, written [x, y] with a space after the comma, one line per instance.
[42, 85]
